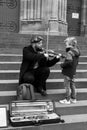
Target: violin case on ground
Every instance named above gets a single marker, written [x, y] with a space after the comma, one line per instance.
[38, 112]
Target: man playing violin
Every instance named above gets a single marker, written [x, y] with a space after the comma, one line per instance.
[35, 65]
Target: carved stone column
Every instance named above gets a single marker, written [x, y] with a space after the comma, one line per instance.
[58, 23]
[84, 18]
[54, 16]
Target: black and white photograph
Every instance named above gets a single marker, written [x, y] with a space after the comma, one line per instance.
[43, 64]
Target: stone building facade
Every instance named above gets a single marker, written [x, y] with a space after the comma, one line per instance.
[58, 17]
[43, 15]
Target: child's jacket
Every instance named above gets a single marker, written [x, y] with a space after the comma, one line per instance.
[70, 63]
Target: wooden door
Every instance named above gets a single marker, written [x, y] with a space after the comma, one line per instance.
[9, 15]
[74, 17]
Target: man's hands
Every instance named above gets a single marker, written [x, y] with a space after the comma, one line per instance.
[46, 55]
[58, 56]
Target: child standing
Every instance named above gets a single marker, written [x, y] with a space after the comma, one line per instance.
[69, 69]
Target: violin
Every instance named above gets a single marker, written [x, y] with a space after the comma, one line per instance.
[51, 53]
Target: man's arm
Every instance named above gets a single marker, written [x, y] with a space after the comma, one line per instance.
[30, 56]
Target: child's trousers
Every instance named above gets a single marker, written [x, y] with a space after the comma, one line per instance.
[70, 88]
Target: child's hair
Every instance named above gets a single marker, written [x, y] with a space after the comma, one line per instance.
[72, 41]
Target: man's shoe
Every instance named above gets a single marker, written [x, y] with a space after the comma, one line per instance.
[65, 101]
[43, 93]
[73, 100]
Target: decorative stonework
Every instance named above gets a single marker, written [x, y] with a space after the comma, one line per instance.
[10, 26]
[10, 3]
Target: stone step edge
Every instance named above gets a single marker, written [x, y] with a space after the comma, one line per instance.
[49, 92]
[80, 103]
[48, 81]
[19, 55]
[52, 71]
[77, 104]
[18, 62]
[79, 118]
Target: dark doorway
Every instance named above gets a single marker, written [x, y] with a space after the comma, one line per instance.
[74, 17]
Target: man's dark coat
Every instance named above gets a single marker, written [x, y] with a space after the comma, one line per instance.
[30, 58]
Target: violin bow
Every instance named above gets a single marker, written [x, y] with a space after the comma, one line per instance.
[47, 45]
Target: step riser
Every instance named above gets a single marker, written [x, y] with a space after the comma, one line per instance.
[8, 87]
[50, 85]
[10, 51]
[55, 75]
[9, 76]
[7, 99]
[65, 126]
[56, 97]
[80, 66]
[71, 110]
[83, 59]
[10, 58]
[19, 58]
[60, 85]
[9, 66]
[16, 66]
[58, 75]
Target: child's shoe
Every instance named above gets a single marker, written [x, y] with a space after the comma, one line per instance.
[73, 100]
[65, 101]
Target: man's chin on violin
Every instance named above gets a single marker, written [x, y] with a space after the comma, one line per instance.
[36, 63]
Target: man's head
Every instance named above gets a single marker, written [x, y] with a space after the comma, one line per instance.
[36, 41]
[70, 42]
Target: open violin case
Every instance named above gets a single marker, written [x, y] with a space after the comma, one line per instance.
[38, 112]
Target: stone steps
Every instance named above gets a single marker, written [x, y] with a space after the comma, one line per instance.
[75, 115]
[15, 65]
[9, 74]
[7, 94]
[18, 57]
[14, 74]
[73, 109]
[9, 42]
